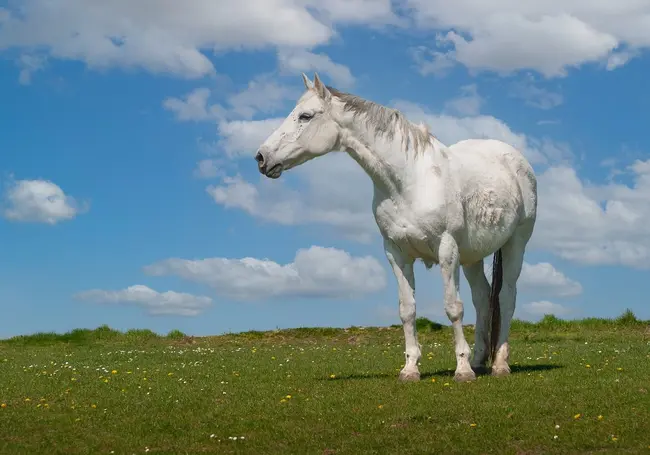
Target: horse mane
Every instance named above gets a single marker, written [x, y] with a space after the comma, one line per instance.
[385, 120]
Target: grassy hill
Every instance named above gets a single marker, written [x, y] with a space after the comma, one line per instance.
[576, 387]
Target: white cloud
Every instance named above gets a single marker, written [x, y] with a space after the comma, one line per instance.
[239, 136]
[429, 61]
[173, 37]
[194, 106]
[535, 96]
[29, 64]
[242, 138]
[158, 36]
[545, 307]
[543, 279]
[595, 224]
[294, 61]
[262, 95]
[207, 169]
[370, 12]
[469, 103]
[619, 59]
[177, 37]
[39, 201]
[335, 192]
[508, 35]
[315, 272]
[156, 303]
[450, 129]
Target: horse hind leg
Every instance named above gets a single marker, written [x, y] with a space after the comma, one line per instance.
[512, 255]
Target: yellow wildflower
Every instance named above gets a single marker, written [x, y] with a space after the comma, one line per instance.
[577, 416]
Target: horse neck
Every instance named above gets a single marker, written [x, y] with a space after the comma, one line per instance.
[390, 165]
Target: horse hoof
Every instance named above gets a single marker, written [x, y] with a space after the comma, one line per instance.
[465, 376]
[409, 376]
[500, 372]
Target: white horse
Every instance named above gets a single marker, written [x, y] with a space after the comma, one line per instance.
[451, 206]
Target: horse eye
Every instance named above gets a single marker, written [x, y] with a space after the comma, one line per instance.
[305, 116]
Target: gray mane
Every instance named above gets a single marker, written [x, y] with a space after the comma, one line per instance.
[385, 120]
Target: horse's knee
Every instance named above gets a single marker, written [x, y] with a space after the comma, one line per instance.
[454, 310]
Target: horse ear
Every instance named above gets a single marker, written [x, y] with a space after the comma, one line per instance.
[322, 91]
[308, 84]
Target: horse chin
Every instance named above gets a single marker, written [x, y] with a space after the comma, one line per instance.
[275, 172]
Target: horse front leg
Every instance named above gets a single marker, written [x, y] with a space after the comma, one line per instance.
[402, 266]
[450, 269]
[480, 288]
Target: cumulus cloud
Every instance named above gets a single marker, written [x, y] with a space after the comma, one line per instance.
[451, 128]
[535, 96]
[294, 61]
[207, 169]
[194, 106]
[241, 138]
[595, 224]
[39, 201]
[469, 103]
[542, 279]
[29, 64]
[507, 35]
[315, 272]
[335, 193]
[156, 303]
[174, 37]
[177, 38]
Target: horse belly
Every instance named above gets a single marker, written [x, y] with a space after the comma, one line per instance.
[490, 220]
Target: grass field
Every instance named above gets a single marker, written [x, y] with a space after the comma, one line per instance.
[576, 387]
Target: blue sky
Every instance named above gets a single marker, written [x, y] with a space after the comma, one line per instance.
[129, 195]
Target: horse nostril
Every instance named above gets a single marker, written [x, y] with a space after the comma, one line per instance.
[259, 158]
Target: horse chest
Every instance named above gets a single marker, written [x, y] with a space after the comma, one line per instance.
[416, 232]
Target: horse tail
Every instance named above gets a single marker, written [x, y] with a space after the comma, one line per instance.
[495, 305]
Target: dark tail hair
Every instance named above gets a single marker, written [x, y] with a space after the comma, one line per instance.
[495, 305]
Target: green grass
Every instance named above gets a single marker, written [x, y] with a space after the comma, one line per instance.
[103, 391]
